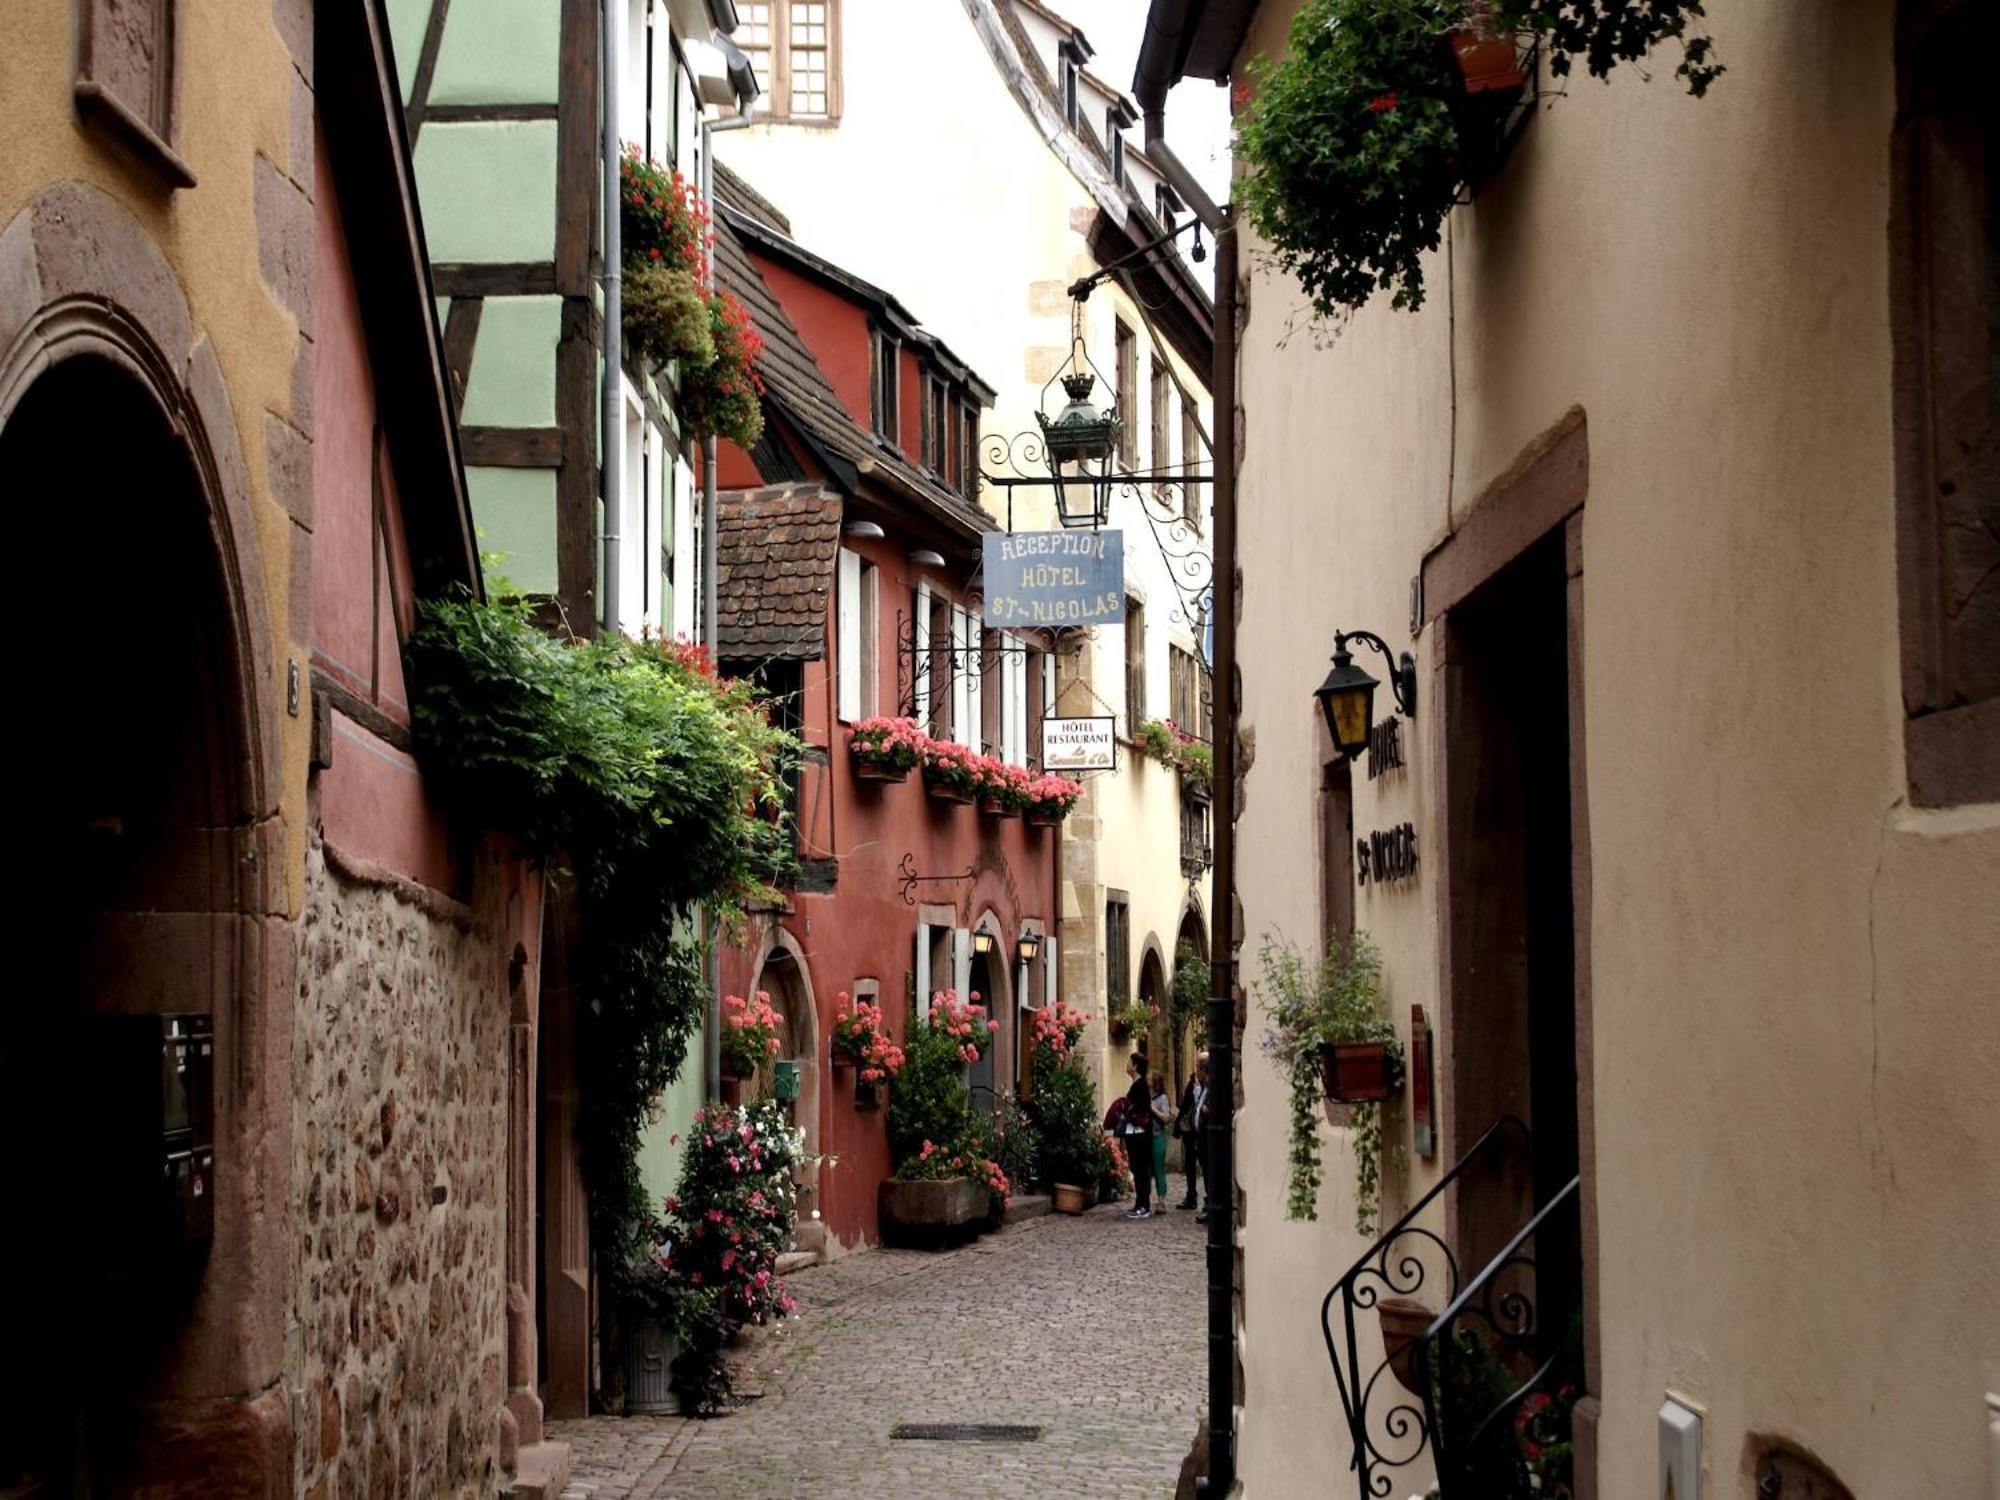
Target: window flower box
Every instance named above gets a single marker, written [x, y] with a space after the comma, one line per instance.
[885, 749]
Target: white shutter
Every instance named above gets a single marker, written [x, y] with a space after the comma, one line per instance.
[847, 627]
[962, 728]
[923, 970]
[1048, 683]
[920, 650]
[975, 683]
[961, 961]
[679, 591]
[1014, 707]
[1051, 987]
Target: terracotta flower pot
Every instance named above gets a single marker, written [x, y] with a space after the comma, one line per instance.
[1404, 1320]
[879, 770]
[1045, 817]
[942, 791]
[1069, 1198]
[994, 808]
[1358, 1072]
[867, 1095]
[1486, 63]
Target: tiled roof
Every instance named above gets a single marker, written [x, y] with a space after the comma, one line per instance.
[794, 382]
[774, 560]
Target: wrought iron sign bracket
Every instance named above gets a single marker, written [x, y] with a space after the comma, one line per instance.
[908, 878]
[1402, 670]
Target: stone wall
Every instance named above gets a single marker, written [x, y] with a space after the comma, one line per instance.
[396, 1339]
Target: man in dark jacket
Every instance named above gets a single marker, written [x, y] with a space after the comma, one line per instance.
[1190, 1124]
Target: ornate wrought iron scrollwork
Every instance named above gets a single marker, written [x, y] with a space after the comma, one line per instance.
[1501, 1361]
[931, 672]
[1389, 1426]
[908, 879]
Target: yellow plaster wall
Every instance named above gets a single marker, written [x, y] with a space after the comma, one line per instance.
[235, 95]
[1794, 971]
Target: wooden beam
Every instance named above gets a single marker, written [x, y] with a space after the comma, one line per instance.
[512, 447]
[576, 485]
[427, 59]
[496, 279]
[462, 112]
[461, 333]
[577, 182]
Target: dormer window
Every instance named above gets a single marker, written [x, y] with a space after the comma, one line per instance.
[1114, 137]
[1166, 203]
[1073, 52]
[1069, 89]
[884, 356]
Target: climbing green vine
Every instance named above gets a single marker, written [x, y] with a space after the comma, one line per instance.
[656, 786]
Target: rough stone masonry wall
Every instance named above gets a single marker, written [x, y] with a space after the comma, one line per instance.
[396, 1341]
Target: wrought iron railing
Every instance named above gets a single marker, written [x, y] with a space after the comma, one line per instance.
[1500, 1367]
[1388, 1426]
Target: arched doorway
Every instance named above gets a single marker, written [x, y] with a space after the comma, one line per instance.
[140, 1061]
[1157, 1042]
[1191, 1014]
[783, 976]
[991, 980]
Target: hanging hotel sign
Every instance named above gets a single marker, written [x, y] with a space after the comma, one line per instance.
[1386, 855]
[1080, 744]
[1054, 578]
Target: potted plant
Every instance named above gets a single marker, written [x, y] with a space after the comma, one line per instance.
[723, 398]
[1063, 1110]
[1355, 143]
[861, 1041]
[1003, 790]
[939, 1188]
[885, 749]
[749, 1034]
[951, 772]
[1134, 1018]
[1317, 1005]
[1050, 799]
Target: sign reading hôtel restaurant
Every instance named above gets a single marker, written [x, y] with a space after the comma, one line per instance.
[1080, 744]
[1054, 577]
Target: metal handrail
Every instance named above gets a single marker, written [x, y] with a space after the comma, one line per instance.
[1516, 1326]
[1405, 1426]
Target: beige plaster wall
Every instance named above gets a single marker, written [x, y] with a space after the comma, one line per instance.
[240, 99]
[1795, 1044]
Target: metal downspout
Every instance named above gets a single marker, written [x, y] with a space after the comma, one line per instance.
[611, 445]
[1222, 993]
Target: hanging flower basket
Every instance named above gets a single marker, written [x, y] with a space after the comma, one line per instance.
[1045, 817]
[867, 1095]
[1487, 63]
[1360, 1072]
[878, 770]
[885, 749]
[944, 791]
[998, 807]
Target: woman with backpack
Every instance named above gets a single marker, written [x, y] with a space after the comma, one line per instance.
[1136, 1129]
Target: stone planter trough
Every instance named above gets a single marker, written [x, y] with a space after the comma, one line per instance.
[930, 1215]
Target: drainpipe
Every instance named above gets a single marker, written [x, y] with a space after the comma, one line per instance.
[710, 599]
[611, 444]
[1160, 55]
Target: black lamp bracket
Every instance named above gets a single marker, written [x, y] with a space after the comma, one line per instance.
[1402, 670]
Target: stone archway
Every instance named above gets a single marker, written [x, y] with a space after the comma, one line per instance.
[162, 892]
[992, 981]
[784, 974]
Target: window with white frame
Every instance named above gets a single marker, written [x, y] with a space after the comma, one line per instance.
[641, 479]
[794, 45]
[856, 640]
[965, 694]
[920, 658]
[1012, 712]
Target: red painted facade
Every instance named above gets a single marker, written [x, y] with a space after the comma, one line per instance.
[867, 932]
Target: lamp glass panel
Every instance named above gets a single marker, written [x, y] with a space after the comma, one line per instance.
[1350, 715]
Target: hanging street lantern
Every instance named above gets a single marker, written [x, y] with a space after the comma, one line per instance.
[1347, 697]
[1080, 444]
[984, 942]
[1027, 946]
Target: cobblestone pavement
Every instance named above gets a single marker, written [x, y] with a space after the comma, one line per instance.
[1090, 1328]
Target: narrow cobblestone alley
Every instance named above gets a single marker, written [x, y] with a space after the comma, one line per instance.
[1090, 1328]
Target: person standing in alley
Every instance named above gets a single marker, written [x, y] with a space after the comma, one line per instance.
[1188, 1126]
[1136, 1129]
[1161, 1118]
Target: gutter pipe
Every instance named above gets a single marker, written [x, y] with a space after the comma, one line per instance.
[611, 447]
[1168, 24]
[710, 597]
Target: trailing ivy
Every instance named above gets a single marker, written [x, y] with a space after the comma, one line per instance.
[658, 786]
[1355, 143]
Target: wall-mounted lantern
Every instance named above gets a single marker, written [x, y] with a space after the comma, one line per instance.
[1347, 697]
[1027, 946]
[985, 942]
